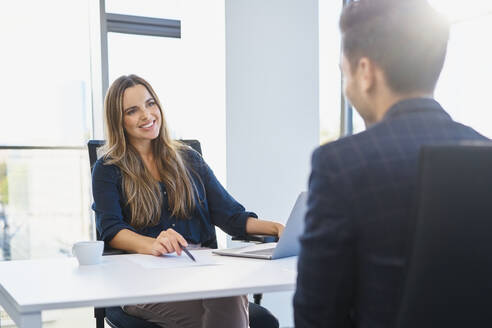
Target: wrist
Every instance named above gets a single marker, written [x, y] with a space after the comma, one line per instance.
[277, 228]
[280, 229]
[147, 247]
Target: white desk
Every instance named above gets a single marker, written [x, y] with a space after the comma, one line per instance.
[29, 287]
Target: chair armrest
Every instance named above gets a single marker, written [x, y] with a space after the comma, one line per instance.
[257, 238]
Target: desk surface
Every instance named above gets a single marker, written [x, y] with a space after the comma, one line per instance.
[37, 285]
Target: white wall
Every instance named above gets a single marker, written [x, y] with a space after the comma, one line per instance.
[272, 112]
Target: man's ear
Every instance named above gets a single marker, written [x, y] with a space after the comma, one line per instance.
[366, 74]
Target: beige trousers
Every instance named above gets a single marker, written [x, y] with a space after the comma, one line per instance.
[226, 312]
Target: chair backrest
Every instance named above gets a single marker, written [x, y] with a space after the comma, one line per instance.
[449, 279]
[93, 146]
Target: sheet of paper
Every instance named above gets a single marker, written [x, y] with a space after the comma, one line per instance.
[170, 261]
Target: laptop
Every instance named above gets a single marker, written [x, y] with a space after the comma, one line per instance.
[288, 244]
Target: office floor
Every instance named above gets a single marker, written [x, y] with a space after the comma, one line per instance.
[73, 318]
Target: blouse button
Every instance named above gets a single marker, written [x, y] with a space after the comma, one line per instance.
[173, 225]
[165, 193]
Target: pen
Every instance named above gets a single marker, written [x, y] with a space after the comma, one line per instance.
[187, 252]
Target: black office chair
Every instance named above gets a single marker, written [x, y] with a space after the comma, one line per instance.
[449, 279]
[259, 317]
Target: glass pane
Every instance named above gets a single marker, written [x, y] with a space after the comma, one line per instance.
[162, 67]
[170, 9]
[44, 202]
[461, 10]
[357, 122]
[188, 75]
[45, 68]
[329, 71]
[464, 87]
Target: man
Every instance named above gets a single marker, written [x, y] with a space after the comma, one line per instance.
[361, 187]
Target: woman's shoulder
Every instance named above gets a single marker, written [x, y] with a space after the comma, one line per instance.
[104, 169]
[193, 159]
[189, 154]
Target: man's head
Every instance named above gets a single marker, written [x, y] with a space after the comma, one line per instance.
[392, 50]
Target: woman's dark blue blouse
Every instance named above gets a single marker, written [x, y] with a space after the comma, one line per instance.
[217, 207]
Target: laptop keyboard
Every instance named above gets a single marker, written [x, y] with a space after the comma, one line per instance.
[267, 251]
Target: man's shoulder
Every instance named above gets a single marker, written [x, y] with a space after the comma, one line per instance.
[389, 139]
[333, 149]
[344, 144]
[346, 152]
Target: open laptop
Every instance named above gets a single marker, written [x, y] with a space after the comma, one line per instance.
[288, 244]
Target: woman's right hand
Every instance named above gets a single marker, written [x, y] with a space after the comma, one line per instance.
[168, 241]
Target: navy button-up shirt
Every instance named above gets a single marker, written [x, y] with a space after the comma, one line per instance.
[216, 208]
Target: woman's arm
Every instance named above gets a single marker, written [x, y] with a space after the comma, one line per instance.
[262, 227]
[168, 241]
[133, 242]
[114, 229]
[225, 211]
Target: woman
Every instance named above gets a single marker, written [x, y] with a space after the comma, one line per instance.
[153, 195]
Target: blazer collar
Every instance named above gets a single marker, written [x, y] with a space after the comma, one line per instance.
[415, 105]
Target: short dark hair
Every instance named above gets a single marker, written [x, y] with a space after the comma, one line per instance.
[406, 38]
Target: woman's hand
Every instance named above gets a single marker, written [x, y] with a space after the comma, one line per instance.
[263, 227]
[168, 241]
[280, 229]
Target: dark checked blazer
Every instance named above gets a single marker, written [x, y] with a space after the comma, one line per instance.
[361, 193]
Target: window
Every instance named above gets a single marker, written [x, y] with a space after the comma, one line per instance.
[463, 87]
[188, 73]
[158, 60]
[169, 9]
[329, 71]
[335, 119]
[45, 82]
[45, 88]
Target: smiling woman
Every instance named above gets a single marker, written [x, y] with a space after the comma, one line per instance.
[154, 195]
[142, 117]
[138, 134]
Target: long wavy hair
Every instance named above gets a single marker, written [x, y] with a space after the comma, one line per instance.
[142, 192]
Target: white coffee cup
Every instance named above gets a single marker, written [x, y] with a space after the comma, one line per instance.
[88, 252]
